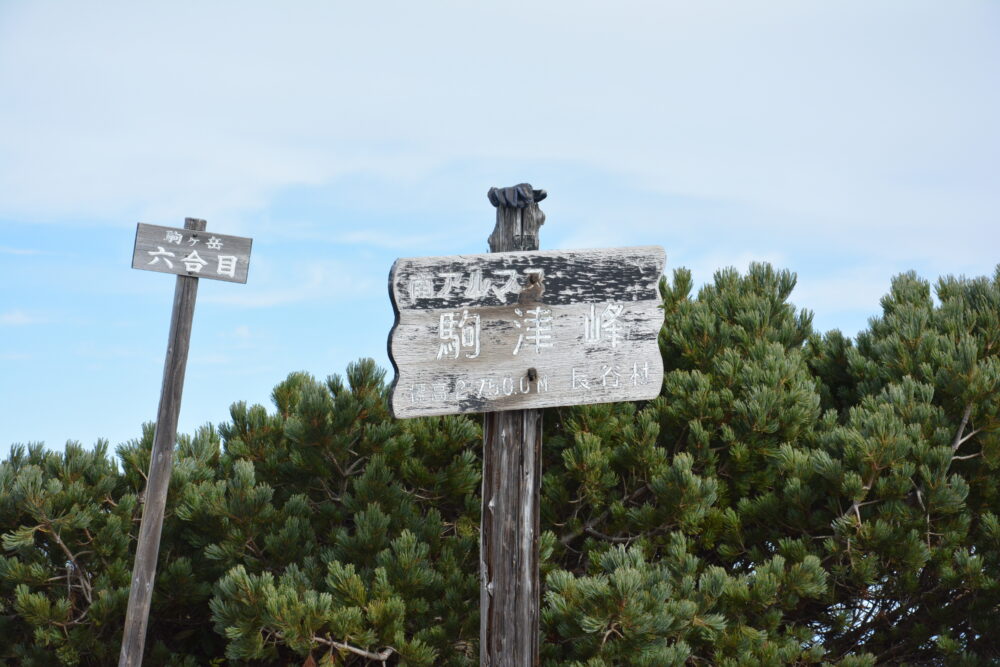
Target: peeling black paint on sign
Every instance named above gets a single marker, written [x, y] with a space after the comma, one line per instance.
[469, 328]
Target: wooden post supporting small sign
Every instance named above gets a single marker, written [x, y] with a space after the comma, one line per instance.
[189, 253]
[506, 334]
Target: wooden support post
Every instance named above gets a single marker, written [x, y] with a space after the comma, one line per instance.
[598, 309]
[144, 570]
[512, 469]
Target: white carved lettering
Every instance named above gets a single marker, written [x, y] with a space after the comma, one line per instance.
[488, 387]
[610, 375]
[476, 287]
[227, 266]
[193, 262]
[639, 376]
[537, 326]
[418, 392]
[604, 325]
[421, 288]
[508, 287]
[458, 333]
[451, 281]
[159, 254]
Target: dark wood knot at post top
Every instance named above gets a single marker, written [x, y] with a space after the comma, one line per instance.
[518, 217]
[516, 196]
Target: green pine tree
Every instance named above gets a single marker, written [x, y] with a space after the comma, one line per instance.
[790, 498]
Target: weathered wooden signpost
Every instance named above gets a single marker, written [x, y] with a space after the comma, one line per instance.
[190, 253]
[506, 334]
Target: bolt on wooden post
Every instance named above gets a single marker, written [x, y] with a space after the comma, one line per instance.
[189, 253]
[507, 334]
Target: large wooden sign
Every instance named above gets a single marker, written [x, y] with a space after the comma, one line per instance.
[186, 252]
[517, 330]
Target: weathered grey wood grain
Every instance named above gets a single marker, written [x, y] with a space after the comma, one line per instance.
[569, 276]
[158, 479]
[512, 473]
[510, 590]
[191, 252]
[578, 367]
[583, 324]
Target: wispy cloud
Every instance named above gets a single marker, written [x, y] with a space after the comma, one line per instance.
[240, 337]
[4, 250]
[789, 108]
[311, 281]
[99, 351]
[384, 239]
[212, 359]
[16, 318]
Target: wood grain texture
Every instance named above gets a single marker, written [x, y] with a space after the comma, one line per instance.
[512, 475]
[169, 250]
[161, 459]
[585, 321]
[569, 276]
[509, 594]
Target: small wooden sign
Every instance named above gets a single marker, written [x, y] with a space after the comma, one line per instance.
[519, 330]
[186, 252]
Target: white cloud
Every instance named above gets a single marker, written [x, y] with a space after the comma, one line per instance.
[828, 126]
[840, 115]
[845, 141]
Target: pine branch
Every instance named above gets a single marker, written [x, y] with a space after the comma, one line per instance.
[969, 436]
[957, 442]
[608, 538]
[589, 526]
[381, 656]
[81, 573]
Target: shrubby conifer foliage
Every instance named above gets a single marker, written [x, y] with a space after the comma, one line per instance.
[790, 498]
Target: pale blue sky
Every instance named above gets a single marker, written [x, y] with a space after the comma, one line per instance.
[846, 141]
